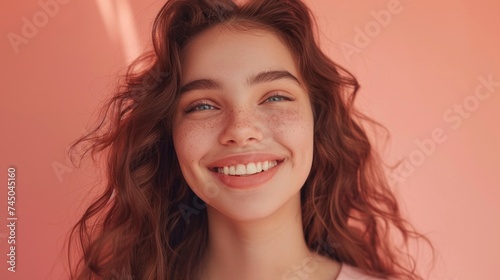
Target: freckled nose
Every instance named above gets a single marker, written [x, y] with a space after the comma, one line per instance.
[242, 128]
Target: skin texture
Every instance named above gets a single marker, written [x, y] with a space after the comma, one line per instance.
[239, 119]
[255, 231]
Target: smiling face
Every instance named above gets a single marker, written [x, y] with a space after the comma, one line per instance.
[243, 127]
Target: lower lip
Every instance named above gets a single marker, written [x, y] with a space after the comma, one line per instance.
[249, 181]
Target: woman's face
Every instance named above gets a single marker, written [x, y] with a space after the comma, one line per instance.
[243, 127]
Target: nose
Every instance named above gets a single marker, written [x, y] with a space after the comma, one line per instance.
[241, 129]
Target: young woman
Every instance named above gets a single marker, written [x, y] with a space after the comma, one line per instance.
[234, 151]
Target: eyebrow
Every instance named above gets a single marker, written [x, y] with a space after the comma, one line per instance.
[206, 84]
[262, 77]
[269, 76]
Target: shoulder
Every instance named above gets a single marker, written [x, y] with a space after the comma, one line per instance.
[348, 272]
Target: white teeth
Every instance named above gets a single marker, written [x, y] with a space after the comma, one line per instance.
[249, 169]
[240, 169]
[265, 165]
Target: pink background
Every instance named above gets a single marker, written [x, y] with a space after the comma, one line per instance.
[416, 67]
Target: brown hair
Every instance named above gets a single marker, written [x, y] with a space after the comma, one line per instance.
[137, 226]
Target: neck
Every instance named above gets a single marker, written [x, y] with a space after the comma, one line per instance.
[270, 248]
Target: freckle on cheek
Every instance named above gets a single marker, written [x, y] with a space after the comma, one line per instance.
[195, 131]
[210, 125]
[287, 120]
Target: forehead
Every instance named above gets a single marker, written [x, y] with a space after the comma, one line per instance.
[222, 52]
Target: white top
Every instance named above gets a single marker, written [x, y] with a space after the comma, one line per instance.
[348, 272]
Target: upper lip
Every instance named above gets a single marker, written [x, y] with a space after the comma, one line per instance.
[244, 159]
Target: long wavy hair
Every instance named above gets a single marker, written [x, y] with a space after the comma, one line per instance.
[137, 226]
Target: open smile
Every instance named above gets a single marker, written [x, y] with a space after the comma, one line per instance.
[250, 175]
[247, 169]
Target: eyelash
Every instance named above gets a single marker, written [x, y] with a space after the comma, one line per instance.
[195, 106]
[284, 97]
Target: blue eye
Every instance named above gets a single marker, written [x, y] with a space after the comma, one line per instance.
[203, 107]
[277, 98]
[199, 107]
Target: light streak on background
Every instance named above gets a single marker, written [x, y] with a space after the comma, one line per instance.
[120, 25]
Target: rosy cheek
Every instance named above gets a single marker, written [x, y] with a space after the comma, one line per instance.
[290, 122]
[184, 137]
[191, 138]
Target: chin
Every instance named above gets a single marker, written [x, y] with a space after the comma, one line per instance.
[253, 209]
